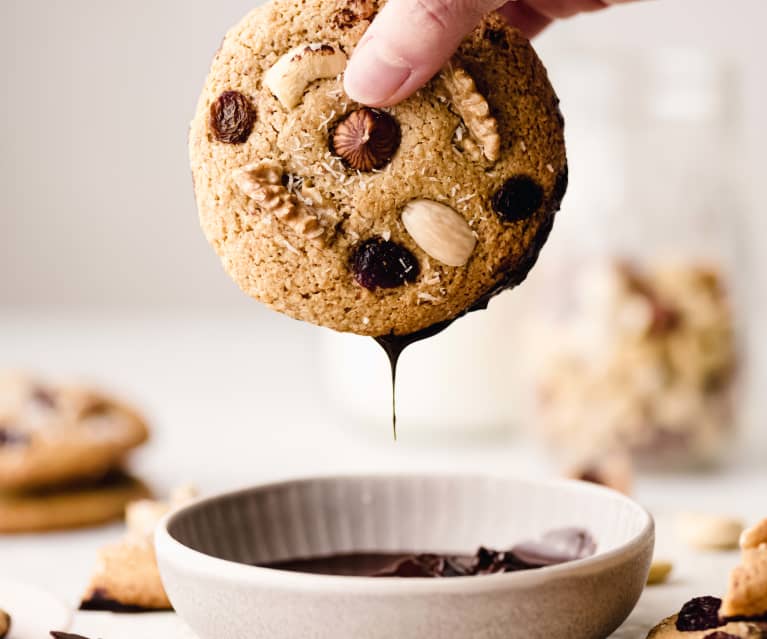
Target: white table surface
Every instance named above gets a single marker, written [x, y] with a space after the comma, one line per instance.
[236, 401]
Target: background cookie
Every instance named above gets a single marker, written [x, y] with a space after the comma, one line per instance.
[72, 507]
[373, 221]
[52, 434]
[127, 579]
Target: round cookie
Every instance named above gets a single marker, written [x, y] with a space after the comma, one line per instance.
[71, 507]
[54, 434]
[373, 221]
[667, 629]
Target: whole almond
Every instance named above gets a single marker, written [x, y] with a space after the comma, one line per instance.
[439, 231]
[709, 532]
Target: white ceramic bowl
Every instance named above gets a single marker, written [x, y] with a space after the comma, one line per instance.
[206, 552]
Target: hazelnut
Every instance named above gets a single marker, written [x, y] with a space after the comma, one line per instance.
[366, 139]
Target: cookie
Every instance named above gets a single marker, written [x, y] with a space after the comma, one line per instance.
[667, 629]
[373, 221]
[5, 624]
[52, 434]
[701, 618]
[126, 579]
[747, 590]
[74, 506]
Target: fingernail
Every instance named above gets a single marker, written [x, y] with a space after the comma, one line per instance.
[372, 76]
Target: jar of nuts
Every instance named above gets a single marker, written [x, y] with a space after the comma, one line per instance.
[638, 307]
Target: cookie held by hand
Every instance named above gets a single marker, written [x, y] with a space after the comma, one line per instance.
[373, 221]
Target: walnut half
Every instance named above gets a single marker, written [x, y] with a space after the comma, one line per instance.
[473, 109]
[262, 183]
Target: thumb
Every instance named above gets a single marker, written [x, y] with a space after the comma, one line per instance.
[408, 42]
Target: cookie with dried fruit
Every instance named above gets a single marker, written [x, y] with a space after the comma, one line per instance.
[373, 221]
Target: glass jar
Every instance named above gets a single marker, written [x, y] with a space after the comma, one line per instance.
[637, 310]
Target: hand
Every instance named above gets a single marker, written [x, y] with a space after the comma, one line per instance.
[410, 40]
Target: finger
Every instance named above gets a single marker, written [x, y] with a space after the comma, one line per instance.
[408, 42]
[524, 17]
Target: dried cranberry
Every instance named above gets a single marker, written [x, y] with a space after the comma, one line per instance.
[232, 117]
[701, 613]
[518, 198]
[379, 263]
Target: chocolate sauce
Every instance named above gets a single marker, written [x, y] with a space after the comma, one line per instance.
[345, 565]
[555, 547]
[393, 345]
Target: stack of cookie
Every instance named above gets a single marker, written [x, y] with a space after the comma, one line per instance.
[62, 450]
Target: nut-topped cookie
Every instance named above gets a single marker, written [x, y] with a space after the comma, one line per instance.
[51, 434]
[373, 221]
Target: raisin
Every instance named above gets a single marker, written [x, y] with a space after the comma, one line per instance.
[232, 117]
[720, 635]
[518, 198]
[65, 635]
[379, 263]
[701, 613]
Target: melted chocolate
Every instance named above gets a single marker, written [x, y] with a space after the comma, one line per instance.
[555, 547]
[393, 345]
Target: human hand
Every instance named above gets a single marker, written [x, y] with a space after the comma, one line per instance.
[410, 40]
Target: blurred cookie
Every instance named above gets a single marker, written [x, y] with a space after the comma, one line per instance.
[51, 434]
[75, 506]
[5, 624]
[700, 618]
[126, 579]
[373, 221]
[747, 590]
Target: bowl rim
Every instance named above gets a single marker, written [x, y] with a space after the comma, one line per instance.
[170, 549]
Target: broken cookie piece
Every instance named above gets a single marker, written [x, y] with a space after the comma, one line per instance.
[126, 577]
[747, 590]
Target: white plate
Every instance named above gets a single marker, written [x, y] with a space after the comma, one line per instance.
[34, 612]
